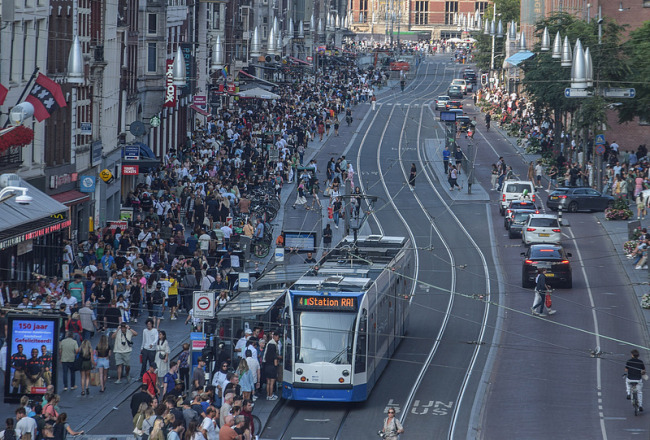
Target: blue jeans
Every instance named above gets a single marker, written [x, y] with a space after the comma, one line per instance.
[86, 334]
[67, 366]
[336, 218]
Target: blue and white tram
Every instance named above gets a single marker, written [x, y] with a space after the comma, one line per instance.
[343, 323]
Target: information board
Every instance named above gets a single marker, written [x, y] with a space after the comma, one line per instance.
[303, 241]
[31, 356]
[317, 303]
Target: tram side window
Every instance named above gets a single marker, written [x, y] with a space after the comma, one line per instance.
[362, 336]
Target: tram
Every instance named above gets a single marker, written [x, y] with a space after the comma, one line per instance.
[343, 321]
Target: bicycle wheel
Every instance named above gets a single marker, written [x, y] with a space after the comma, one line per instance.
[262, 249]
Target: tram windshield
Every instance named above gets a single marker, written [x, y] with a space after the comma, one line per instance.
[324, 337]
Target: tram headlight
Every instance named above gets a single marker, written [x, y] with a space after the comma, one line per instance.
[346, 373]
[299, 371]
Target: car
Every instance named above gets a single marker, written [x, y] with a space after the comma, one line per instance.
[514, 190]
[460, 82]
[541, 228]
[575, 199]
[516, 220]
[469, 76]
[455, 92]
[469, 88]
[518, 204]
[441, 102]
[553, 258]
[463, 123]
[453, 105]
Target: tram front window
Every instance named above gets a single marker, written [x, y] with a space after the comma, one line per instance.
[325, 337]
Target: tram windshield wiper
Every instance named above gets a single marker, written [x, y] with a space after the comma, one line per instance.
[337, 359]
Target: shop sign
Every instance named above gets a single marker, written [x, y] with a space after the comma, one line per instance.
[86, 128]
[87, 184]
[170, 88]
[130, 170]
[25, 247]
[200, 100]
[62, 179]
[114, 224]
[231, 88]
[13, 241]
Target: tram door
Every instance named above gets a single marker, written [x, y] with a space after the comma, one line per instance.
[287, 346]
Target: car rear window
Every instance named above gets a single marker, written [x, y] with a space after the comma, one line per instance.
[544, 222]
[521, 216]
[560, 191]
[518, 187]
[545, 253]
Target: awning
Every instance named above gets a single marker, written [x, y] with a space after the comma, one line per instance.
[258, 93]
[70, 198]
[519, 57]
[254, 303]
[42, 216]
[199, 110]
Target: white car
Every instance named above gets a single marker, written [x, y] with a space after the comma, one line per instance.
[460, 82]
[441, 102]
[541, 228]
[514, 190]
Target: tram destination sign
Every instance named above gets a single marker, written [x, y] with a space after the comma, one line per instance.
[325, 303]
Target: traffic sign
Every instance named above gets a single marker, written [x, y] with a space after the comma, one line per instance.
[617, 92]
[600, 149]
[570, 92]
[600, 139]
[203, 304]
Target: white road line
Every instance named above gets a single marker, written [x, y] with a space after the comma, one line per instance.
[599, 382]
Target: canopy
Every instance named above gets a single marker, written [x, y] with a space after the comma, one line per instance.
[519, 57]
[254, 303]
[258, 93]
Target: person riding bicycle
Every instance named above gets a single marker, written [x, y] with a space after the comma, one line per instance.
[635, 370]
[488, 118]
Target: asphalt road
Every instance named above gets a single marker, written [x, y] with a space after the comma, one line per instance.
[475, 363]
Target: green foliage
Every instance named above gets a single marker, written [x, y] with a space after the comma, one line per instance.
[509, 10]
[638, 50]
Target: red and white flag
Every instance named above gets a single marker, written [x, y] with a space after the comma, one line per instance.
[46, 97]
[3, 93]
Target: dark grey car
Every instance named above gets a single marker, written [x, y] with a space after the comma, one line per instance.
[578, 198]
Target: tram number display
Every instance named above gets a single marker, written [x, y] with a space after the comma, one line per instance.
[326, 303]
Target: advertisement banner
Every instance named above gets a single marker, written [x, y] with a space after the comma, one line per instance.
[31, 355]
[170, 88]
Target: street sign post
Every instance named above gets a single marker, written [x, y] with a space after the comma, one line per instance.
[617, 92]
[570, 92]
[203, 304]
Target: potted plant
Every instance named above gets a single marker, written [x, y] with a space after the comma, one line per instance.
[619, 211]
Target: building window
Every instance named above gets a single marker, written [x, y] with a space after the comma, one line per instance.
[363, 11]
[265, 32]
[481, 7]
[152, 58]
[152, 24]
[216, 16]
[451, 8]
[422, 12]
[646, 3]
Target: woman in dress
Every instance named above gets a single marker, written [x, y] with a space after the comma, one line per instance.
[103, 355]
[301, 199]
[162, 354]
[87, 364]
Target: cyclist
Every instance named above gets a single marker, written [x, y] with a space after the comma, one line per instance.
[635, 369]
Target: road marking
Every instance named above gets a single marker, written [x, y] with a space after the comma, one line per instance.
[316, 420]
[599, 383]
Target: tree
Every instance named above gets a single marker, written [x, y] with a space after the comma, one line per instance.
[637, 48]
[545, 79]
[507, 10]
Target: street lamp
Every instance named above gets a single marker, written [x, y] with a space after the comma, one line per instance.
[178, 70]
[9, 184]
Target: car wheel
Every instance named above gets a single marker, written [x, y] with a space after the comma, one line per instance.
[573, 207]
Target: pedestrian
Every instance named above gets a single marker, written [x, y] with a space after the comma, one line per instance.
[148, 347]
[373, 100]
[552, 176]
[411, 177]
[315, 191]
[198, 376]
[245, 379]
[458, 157]
[270, 362]
[87, 364]
[158, 301]
[184, 365]
[336, 211]
[539, 170]
[327, 237]
[392, 427]
[540, 294]
[68, 349]
[103, 355]
[162, 351]
[61, 428]
[446, 156]
[122, 348]
[337, 123]
[453, 178]
[300, 199]
[25, 424]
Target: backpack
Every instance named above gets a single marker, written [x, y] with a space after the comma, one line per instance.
[10, 434]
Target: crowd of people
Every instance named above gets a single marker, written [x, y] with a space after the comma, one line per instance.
[181, 238]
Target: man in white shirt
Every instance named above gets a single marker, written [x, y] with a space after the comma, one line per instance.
[254, 366]
[25, 424]
[204, 241]
[241, 343]
[148, 347]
